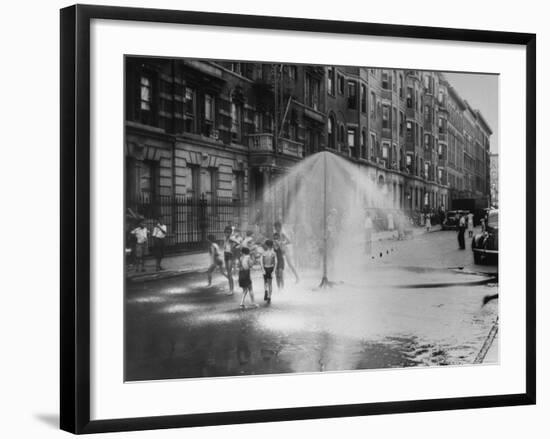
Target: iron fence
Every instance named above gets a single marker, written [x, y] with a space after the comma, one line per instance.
[189, 220]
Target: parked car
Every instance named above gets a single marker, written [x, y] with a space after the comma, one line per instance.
[485, 244]
[451, 219]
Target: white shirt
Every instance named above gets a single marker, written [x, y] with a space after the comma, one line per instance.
[159, 231]
[141, 234]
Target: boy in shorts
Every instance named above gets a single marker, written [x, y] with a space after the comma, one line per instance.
[245, 282]
[268, 262]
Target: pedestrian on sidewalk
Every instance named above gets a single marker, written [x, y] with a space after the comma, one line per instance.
[159, 235]
[279, 272]
[216, 260]
[245, 282]
[141, 233]
[428, 222]
[229, 245]
[390, 222]
[461, 231]
[268, 262]
[470, 225]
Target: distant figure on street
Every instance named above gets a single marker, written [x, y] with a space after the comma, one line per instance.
[483, 228]
[216, 260]
[141, 233]
[159, 236]
[428, 222]
[470, 225]
[390, 221]
[245, 282]
[400, 226]
[461, 230]
[422, 219]
[268, 262]
[367, 227]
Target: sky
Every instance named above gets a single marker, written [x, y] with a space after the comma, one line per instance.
[481, 92]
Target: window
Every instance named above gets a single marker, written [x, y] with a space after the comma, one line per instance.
[351, 137]
[331, 125]
[409, 97]
[394, 119]
[409, 131]
[189, 101]
[292, 73]
[330, 81]
[372, 105]
[150, 180]
[236, 67]
[208, 183]
[441, 125]
[208, 121]
[352, 95]
[401, 85]
[237, 186]
[372, 145]
[193, 181]
[341, 133]
[385, 151]
[385, 116]
[426, 170]
[208, 107]
[145, 93]
[385, 80]
[236, 121]
[312, 91]
[440, 96]
[427, 141]
[401, 122]
[363, 98]
[363, 144]
[340, 84]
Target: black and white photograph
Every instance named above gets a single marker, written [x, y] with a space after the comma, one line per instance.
[296, 218]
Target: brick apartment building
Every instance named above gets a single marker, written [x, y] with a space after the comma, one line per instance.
[205, 139]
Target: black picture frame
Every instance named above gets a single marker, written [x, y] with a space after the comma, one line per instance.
[75, 217]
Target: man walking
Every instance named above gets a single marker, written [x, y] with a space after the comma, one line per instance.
[461, 230]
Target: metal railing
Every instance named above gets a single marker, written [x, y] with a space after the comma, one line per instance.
[189, 219]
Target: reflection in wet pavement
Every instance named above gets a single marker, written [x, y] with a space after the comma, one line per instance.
[177, 328]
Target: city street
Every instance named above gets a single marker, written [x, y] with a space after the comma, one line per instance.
[421, 305]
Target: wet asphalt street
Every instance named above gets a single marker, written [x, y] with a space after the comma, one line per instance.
[411, 303]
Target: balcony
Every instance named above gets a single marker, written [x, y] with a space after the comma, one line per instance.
[386, 133]
[263, 143]
[442, 135]
[386, 94]
[410, 113]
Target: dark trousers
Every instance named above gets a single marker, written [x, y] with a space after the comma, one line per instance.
[461, 242]
[158, 250]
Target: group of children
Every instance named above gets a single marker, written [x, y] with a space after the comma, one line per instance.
[241, 254]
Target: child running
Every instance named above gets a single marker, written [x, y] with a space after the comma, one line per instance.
[216, 260]
[244, 276]
[268, 262]
[279, 271]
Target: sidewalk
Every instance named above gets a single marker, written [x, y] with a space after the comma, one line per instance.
[182, 263]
